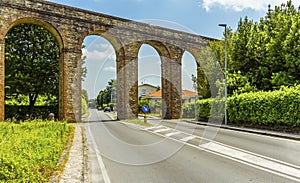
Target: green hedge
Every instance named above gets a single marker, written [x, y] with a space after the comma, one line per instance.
[20, 112]
[277, 108]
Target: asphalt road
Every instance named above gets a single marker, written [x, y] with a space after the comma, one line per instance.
[179, 152]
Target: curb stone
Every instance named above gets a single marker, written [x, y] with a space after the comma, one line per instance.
[75, 170]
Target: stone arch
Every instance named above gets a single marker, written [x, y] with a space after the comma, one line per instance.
[12, 22]
[170, 56]
[17, 20]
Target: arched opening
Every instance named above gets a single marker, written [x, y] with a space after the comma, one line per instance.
[189, 85]
[32, 61]
[149, 79]
[99, 82]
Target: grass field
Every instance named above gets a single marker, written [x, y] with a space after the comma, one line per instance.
[30, 151]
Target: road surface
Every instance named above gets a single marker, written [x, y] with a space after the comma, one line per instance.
[171, 152]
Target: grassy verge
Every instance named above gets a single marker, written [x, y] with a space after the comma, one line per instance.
[137, 121]
[30, 151]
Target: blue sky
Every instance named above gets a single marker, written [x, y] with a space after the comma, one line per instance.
[196, 16]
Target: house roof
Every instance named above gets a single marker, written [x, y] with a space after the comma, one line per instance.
[189, 93]
[158, 94]
[147, 85]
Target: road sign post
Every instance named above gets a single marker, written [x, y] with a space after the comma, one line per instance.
[145, 110]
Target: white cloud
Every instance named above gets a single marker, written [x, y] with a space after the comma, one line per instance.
[240, 5]
[99, 52]
[110, 69]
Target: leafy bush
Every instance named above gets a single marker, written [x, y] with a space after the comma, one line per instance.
[277, 108]
[30, 151]
[188, 110]
[84, 105]
[21, 112]
[274, 109]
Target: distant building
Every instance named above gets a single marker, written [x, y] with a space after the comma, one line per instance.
[145, 89]
[155, 99]
[187, 96]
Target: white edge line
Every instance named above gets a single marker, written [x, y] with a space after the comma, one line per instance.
[228, 157]
[99, 158]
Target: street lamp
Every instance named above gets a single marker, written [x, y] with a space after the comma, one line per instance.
[225, 69]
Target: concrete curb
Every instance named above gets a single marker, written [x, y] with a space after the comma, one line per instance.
[75, 167]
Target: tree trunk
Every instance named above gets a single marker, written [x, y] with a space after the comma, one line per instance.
[32, 100]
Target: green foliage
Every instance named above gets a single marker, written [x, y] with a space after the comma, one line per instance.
[188, 110]
[84, 95]
[19, 112]
[237, 83]
[277, 108]
[30, 151]
[84, 105]
[143, 102]
[31, 63]
[23, 100]
[105, 96]
[267, 52]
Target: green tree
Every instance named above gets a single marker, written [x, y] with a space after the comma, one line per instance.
[267, 52]
[84, 68]
[105, 96]
[31, 63]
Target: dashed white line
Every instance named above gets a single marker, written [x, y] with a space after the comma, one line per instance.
[185, 139]
[153, 127]
[162, 130]
[172, 134]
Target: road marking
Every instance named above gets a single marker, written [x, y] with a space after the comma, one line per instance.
[256, 161]
[185, 139]
[99, 158]
[172, 134]
[153, 127]
[162, 130]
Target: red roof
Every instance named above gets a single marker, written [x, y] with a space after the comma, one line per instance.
[185, 93]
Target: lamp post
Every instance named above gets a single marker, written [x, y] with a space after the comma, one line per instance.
[225, 69]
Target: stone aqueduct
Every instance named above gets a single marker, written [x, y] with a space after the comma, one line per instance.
[71, 25]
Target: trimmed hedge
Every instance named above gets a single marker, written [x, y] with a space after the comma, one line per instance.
[20, 112]
[277, 108]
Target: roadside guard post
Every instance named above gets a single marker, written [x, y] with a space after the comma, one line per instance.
[145, 110]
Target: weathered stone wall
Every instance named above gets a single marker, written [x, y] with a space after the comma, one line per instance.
[71, 25]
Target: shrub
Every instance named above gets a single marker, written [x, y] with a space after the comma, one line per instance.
[274, 109]
[84, 106]
[277, 108]
[21, 112]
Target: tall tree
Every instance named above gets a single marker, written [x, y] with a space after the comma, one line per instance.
[105, 96]
[31, 62]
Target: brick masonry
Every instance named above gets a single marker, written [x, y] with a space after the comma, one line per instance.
[71, 25]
